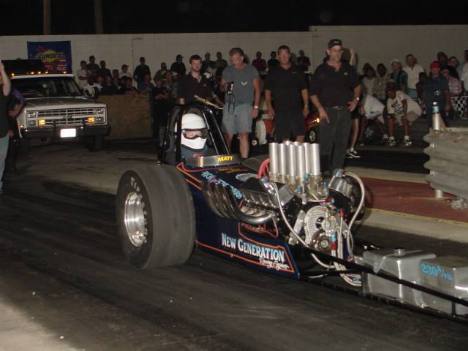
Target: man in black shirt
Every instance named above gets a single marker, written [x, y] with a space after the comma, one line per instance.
[140, 71]
[5, 86]
[286, 90]
[194, 83]
[178, 66]
[335, 92]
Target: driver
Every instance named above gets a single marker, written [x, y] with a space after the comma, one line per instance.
[193, 137]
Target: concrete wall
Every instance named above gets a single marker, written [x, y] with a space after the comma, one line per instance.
[373, 43]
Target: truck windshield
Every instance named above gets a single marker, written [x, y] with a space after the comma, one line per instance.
[38, 87]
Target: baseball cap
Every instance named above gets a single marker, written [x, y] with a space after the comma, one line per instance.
[435, 64]
[334, 42]
[395, 61]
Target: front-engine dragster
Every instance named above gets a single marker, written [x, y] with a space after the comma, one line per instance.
[277, 213]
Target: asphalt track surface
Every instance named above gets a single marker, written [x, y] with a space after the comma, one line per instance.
[66, 236]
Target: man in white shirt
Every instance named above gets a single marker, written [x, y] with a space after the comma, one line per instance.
[413, 69]
[124, 72]
[82, 75]
[402, 110]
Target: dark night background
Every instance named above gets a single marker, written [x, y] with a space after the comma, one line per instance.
[138, 16]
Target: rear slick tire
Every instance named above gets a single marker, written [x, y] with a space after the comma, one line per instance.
[155, 217]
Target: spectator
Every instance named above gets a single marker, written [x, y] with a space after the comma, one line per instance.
[146, 86]
[128, 88]
[92, 67]
[115, 74]
[370, 109]
[464, 75]
[272, 62]
[5, 85]
[369, 80]
[108, 87]
[420, 90]
[241, 81]
[178, 66]
[140, 71]
[221, 64]
[82, 75]
[194, 83]
[124, 72]
[162, 106]
[453, 62]
[259, 63]
[380, 84]
[413, 69]
[398, 76]
[303, 61]
[92, 88]
[335, 92]
[436, 90]
[403, 110]
[454, 84]
[161, 73]
[15, 106]
[286, 90]
[208, 65]
[442, 58]
[103, 70]
[172, 83]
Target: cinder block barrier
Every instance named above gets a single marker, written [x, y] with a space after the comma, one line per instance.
[128, 115]
[448, 163]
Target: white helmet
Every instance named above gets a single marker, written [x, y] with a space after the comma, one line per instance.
[193, 122]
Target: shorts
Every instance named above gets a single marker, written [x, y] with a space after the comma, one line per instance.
[288, 125]
[410, 116]
[238, 119]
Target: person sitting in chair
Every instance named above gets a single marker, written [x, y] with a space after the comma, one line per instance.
[193, 137]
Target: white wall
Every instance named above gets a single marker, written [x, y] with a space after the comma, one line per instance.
[376, 44]
[373, 43]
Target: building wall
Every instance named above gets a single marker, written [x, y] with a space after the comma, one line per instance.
[373, 44]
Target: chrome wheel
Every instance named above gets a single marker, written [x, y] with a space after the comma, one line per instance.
[134, 219]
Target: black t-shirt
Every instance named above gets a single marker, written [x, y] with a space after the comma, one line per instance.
[190, 86]
[4, 125]
[179, 68]
[286, 86]
[334, 88]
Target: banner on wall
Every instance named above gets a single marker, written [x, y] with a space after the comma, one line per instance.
[56, 55]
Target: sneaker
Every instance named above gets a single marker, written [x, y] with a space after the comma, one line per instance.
[351, 153]
[407, 142]
[391, 142]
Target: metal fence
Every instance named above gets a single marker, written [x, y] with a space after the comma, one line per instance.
[448, 163]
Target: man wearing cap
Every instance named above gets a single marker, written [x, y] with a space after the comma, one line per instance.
[335, 92]
[436, 89]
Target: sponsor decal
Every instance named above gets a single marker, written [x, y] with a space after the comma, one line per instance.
[212, 178]
[272, 258]
[435, 271]
[225, 158]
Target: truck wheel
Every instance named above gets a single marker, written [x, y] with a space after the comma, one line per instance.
[155, 217]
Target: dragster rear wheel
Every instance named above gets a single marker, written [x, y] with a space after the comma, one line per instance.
[155, 217]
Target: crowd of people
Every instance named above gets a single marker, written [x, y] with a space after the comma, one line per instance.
[284, 88]
[390, 97]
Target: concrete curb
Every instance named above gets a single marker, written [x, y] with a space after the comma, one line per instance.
[418, 225]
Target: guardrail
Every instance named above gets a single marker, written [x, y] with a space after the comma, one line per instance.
[448, 163]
